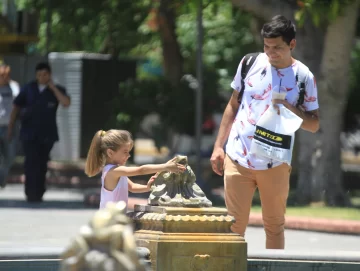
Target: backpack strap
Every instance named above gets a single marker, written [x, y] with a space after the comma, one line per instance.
[247, 63]
[301, 77]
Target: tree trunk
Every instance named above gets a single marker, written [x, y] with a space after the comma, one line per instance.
[260, 8]
[105, 45]
[333, 86]
[327, 180]
[306, 141]
[172, 58]
[256, 24]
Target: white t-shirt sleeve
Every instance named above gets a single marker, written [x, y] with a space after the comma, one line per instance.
[236, 83]
[15, 87]
[311, 95]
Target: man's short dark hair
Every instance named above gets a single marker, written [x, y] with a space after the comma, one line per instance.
[43, 66]
[279, 26]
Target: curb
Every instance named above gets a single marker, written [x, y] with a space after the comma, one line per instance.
[313, 224]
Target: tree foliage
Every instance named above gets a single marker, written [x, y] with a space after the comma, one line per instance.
[131, 28]
[320, 11]
[108, 26]
[226, 39]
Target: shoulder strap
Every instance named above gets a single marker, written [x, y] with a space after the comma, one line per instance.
[247, 63]
[301, 82]
[106, 169]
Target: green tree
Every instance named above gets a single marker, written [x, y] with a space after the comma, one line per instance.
[108, 26]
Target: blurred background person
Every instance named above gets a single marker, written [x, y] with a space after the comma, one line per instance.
[38, 102]
[9, 89]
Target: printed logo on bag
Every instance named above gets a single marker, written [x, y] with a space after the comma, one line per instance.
[273, 139]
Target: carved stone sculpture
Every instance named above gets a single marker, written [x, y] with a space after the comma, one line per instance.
[200, 262]
[107, 243]
[178, 189]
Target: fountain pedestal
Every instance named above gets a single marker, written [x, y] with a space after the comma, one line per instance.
[186, 239]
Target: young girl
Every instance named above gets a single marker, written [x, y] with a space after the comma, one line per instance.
[108, 153]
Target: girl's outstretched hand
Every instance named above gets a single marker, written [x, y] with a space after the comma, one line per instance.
[172, 166]
[151, 181]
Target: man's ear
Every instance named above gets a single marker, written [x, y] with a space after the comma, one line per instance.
[292, 44]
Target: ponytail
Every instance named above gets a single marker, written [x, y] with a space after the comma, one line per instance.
[95, 158]
[103, 141]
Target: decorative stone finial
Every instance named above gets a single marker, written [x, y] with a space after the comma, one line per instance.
[178, 189]
[107, 243]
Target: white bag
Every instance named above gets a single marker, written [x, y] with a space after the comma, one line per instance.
[275, 134]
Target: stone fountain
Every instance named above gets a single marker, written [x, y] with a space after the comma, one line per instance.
[183, 231]
[106, 243]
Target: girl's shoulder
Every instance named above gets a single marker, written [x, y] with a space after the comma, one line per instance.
[108, 167]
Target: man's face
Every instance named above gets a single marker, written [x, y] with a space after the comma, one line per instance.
[43, 77]
[4, 75]
[3, 80]
[278, 51]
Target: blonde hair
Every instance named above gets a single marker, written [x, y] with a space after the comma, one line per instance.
[101, 142]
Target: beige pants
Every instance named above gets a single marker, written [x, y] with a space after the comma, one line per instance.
[273, 184]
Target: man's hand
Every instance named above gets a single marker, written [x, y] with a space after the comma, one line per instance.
[63, 99]
[280, 101]
[51, 84]
[289, 106]
[217, 161]
[285, 103]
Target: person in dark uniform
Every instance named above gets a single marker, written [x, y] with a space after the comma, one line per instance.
[37, 104]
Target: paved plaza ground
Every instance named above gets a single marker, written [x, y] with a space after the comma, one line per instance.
[51, 225]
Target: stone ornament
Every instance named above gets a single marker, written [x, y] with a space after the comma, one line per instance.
[177, 219]
[200, 262]
[107, 243]
[178, 189]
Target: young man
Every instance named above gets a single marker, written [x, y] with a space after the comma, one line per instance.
[9, 89]
[243, 171]
[38, 102]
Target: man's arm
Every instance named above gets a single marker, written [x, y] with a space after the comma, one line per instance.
[311, 115]
[63, 99]
[19, 102]
[13, 116]
[311, 121]
[217, 157]
[227, 120]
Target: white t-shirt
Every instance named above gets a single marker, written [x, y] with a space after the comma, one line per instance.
[42, 87]
[260, 82]
[7, 96]
[15, 87]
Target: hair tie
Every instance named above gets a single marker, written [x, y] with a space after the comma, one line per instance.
[102, 133]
